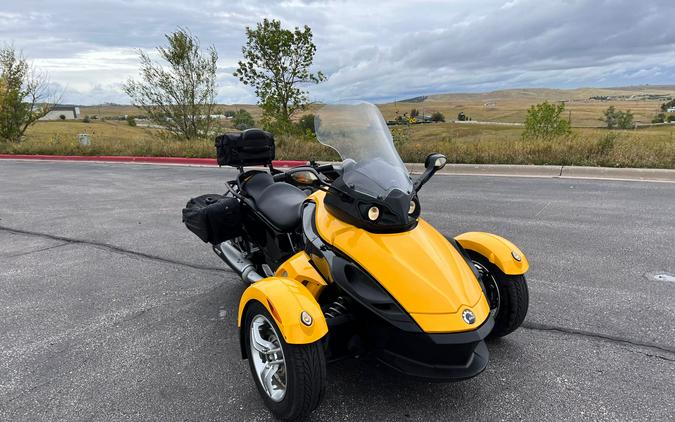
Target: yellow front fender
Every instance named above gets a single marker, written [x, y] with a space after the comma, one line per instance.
[497, 250]
[285, 300]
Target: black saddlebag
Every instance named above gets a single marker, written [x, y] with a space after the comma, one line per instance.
[252, 147]
[214, 218]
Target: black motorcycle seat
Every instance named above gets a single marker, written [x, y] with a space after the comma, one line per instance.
[281, 203]
[257, 183]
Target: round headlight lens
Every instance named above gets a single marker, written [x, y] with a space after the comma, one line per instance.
[373, 213]
[412, 207]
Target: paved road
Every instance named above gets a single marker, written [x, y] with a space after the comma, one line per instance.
[111, 310]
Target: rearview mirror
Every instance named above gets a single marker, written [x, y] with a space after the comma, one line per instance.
[432, 164]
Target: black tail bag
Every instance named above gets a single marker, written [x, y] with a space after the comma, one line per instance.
[214, 218]
[252, 147]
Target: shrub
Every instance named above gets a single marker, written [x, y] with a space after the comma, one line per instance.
[437, 117]
[617, 119]
[131, 121]
[414, 112]
[671, 118]
[62, 116]
[86, 119]
[243, 120]
[543, 121]
[306, 124]
[659, 118]
[667, 105]
[229, 113]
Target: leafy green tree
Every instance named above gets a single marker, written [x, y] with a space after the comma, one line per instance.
[131, 121]
[24, 95]
[178, 93]
[276, 62]
[544, 121]
[437, 117]
[243, 120]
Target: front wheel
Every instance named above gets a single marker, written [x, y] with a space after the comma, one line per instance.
[507, 295]
[291, 378]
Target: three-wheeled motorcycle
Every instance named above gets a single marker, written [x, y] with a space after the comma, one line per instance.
[338, 263]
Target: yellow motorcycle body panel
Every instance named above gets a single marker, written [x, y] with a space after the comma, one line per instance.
[285, 300]
[497, 250]
[299, 268]
[419, 268]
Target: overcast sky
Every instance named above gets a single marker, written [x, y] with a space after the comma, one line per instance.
[369, 50]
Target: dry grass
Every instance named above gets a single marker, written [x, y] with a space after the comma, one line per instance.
[462, 143]
[587, 147]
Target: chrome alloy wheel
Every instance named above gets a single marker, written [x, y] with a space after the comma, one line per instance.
[268, 358]
[490, 288]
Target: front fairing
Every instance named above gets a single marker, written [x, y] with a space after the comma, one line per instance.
[372, 173]
[422, 271]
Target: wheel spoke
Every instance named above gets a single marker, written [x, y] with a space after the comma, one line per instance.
[267, 357]
[267, 375]
[259, 343]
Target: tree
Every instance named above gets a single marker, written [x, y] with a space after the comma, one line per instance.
[437, 117]
[181, 96]
[543, 121]
[414, 112]
[276, 62]
[243, 120]
[25, 96]
[616, 119]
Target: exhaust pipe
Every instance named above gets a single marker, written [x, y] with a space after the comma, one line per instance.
[236, 260]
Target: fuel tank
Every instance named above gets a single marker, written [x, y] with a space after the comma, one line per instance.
[422, 271]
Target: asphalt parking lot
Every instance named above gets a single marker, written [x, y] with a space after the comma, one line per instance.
[111, 310]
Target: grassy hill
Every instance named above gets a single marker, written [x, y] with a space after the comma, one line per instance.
[510, 105]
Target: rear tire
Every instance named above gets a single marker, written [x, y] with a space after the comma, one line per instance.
[304, 374]
[514, 298]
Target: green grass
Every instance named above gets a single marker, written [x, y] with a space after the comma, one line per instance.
[487, 144]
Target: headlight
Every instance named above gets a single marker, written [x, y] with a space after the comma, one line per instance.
[373, 213]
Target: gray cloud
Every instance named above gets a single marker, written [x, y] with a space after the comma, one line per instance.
[369, 50]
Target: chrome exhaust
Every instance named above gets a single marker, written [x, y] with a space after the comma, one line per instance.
[236, 260]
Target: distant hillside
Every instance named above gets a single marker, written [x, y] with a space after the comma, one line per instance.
[541, 94]
[584, 106]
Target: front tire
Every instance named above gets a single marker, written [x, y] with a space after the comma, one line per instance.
[509, 302]
[290, 378]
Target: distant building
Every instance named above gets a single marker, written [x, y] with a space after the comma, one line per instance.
[671, 110]
[70, 112]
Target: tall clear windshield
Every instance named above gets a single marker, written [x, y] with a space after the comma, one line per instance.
[360, 135]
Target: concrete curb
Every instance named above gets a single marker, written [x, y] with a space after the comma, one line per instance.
[504, 170]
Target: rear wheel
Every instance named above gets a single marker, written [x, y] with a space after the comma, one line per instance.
[507, 295]
[291, 378]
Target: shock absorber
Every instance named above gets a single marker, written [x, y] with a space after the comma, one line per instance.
[337, 308]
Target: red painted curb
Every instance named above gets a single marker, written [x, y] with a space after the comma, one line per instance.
[140, 160]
